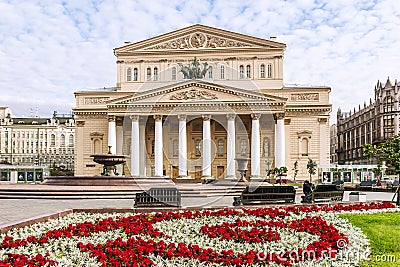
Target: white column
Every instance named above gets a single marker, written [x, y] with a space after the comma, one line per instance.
[206, 147]
[231, 147]
[280, 140]
[142, 149]
[135, 156]
[158, 146]
[182, 146]
[112, 135]
[119, 142]
[255, 146]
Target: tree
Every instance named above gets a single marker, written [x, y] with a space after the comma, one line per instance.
[388, 151]
[295, 169]
[311, 167]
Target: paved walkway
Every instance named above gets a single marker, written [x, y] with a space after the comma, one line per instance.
[21, 209]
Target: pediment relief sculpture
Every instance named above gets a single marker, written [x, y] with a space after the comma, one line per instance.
[194, 94]
[199, 40]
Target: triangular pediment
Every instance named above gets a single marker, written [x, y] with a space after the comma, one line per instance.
[198, 91]
[199, 37]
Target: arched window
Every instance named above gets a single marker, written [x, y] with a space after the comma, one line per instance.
[262, 71]
[175, 147]
[129, 74]
[198, 147]
[304, 147]
[52, 140]
[210, 74]
[243, 147]
[155, 74]
[269, 71]
[248, 71]
[71, 140]
[222, 72]
[241, 72]
[135, 74]
[62, 140]
[173, 73]
[148, 74]
[221, 147]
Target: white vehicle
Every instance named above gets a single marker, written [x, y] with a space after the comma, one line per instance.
[388, 180]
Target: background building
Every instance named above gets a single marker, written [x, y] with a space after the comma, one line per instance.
[333, 144]
[188, 102]
[375, 123]
[35, 141]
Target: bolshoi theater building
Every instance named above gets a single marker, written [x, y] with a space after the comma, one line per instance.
[189, 102]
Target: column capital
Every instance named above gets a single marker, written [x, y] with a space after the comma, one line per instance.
[279, 116]
[80, 123]
[231, 116]
[322, 120]
[255, 116]
[206, 117]
[134, 117]
[119, 121]
[182, 117]
[111, 118]
[157, 117]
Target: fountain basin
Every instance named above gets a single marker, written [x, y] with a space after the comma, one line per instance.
[108, 159]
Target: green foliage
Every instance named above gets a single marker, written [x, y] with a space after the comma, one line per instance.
[388, 151]
[311, 167]
[383, 231]
[279, 171]
[60, 171]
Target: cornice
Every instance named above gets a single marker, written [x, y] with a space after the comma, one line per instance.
[90, 115]
[197, 107]
[189, 31]
[198, 51]
[307, 111]
[210, 60]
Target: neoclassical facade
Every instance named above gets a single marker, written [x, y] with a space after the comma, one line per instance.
[30, 141]
[374, 123]
[188, 102]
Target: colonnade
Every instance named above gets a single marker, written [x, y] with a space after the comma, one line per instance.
[138, 149]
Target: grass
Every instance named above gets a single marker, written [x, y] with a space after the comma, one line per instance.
[383, 231]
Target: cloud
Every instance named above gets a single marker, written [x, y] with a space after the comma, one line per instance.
[50, 49]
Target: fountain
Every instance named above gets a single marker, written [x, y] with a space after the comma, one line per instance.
[109, 161]
[108, 177]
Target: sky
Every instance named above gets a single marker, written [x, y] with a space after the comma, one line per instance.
[49, 49]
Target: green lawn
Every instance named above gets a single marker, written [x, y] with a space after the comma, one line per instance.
[383, 231]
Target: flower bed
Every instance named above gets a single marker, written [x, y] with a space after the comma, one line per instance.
[306, 236]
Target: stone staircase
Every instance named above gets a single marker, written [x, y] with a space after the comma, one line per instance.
[40, 191]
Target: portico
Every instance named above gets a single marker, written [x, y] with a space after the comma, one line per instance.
[171, 137]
